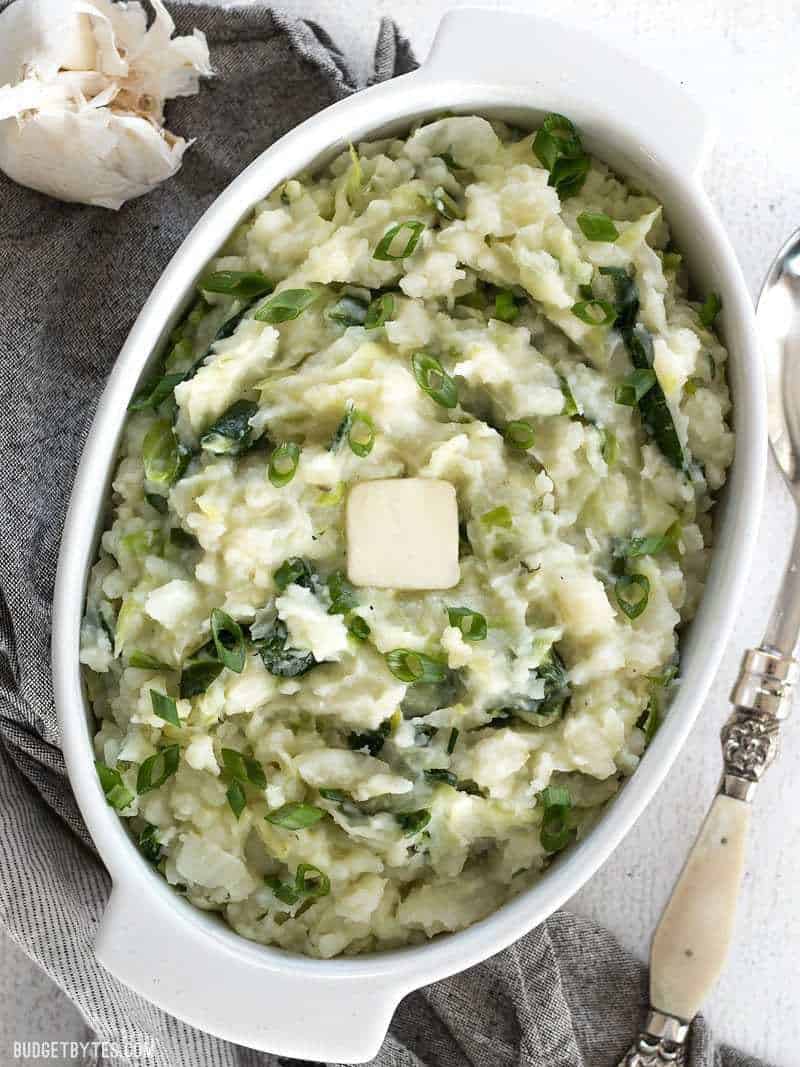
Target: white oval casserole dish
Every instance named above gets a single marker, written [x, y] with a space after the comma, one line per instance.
[486, 62]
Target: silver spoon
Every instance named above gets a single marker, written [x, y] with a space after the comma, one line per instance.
[692, 939]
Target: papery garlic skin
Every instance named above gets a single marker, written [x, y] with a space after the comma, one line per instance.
[82, 93]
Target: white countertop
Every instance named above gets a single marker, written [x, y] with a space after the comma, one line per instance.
[740, 57]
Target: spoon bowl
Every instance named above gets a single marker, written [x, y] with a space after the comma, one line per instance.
[778, 317]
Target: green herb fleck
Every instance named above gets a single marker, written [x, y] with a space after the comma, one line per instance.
[228, 641]
[383, 251]
[283, 464]
[434, 380]
[415, 667]
[295, 816]
[164, 707]
[117, 794]
[597, 226]
[287, 305]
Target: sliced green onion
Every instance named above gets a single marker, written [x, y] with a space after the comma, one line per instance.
[355, 175]
[434, 380]
[471, 623]
[383, 249]
[255, 772]
[555, 796]
[283, 464]
[505, 306]
[655, 543]
[451, 741]
[117, 794]
[520, 434]
[342, 429]
[594, 312]
[499, 517]
[232, 433]
[348, 311]
[145, 662]
[557, 137]
[361, 433]
[163, 456]
[626, 297]
[441, 774]
[712, 305]
[243, 283]
[358, 627]
[610, 447]
[155, 392]
[294, 571]
[149, 845]
[310, 882]
[286, 305]
[243, 768]
[381, 310]
[555, 832]
[237, 798]
[568, 175]
[570, 404]
[597, 226]
[632, 592]
[198, 676]
[413, 667]
[635, 385]
[295, 816]
[411, 822]
[157, 768]
[228, 641]
[446, 205]
[164, 707]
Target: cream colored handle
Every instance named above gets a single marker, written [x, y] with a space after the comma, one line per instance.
[696, 929]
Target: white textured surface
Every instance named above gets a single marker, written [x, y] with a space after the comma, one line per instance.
[739, 57]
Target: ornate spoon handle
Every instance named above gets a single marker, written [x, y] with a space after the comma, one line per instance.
[696, 929]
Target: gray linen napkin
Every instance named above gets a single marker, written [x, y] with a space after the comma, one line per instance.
[73, 279]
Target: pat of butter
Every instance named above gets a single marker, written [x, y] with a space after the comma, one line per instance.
[402, 533]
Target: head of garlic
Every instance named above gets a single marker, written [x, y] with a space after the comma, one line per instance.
[82, 91]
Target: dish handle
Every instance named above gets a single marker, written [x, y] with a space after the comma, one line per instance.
[253, 996]
[560, 68]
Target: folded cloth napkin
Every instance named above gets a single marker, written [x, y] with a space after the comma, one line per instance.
[73, 279]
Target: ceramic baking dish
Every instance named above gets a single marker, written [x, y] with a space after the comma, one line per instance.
[497, 64]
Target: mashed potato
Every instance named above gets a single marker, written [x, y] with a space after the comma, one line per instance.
[338, 769]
